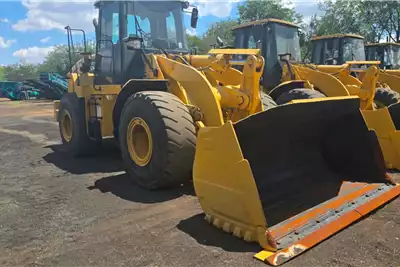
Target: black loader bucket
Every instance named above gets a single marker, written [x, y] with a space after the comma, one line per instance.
[291, 176]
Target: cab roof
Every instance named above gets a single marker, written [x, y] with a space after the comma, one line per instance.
[382, 44]
[264, 21]
[331, 36]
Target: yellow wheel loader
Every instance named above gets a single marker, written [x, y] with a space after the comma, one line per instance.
[286, 78]
[284, 176]
[338, 49]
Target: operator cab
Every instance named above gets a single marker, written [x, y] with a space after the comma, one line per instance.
[277, 40]
[387, 53]
[156, 26]
[336, 49]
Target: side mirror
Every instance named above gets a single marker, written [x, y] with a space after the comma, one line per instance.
[219, 42]
[194, 18]
[95, 23]
[96, 27]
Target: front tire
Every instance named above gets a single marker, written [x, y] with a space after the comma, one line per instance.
[385, 97]
[301, 93]
[157, 138]
[267, 101]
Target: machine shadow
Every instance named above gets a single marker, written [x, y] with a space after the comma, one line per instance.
[123, 187]
[106, 160]
[208, 235]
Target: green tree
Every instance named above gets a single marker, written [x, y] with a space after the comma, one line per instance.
[340, 17]
[197, 43]
[261, 9]
[58, 60]
[382, 20]
[20, 72]
[2, 74]
[222, 29]
[374, 20]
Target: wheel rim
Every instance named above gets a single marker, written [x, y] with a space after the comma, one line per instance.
[140, 144]
[66, 125]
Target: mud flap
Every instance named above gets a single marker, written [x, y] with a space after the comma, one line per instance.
[383, 121]
[291, 176]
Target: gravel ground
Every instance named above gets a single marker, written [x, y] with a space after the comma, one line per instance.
[57, 211]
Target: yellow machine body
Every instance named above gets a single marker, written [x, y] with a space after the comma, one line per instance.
[264, 175]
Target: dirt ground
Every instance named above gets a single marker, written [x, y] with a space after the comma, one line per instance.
[58, 211]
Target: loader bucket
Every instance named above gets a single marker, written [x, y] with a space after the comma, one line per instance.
[385, 122]
[291, 176]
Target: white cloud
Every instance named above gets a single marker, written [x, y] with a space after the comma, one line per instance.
[45, 40]
[6, 43]
[33, 54]
[4, 20]
[191, 31]
[219, 9]
[49, 15]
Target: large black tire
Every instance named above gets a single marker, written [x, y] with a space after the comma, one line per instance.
[267, 101]
[301, 93]
[173, 136]
[385, 97]
[79, 144]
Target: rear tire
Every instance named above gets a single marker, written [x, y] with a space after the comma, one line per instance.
[172, 134]
[301, 93]
[75, 139]
[385, 97]
[267, 101]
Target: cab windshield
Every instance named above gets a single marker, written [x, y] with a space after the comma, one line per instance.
[374, 53]
[159, 23]
[287, 41]
[353, 49]
[388, 55]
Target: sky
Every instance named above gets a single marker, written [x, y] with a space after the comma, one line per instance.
[29, 29]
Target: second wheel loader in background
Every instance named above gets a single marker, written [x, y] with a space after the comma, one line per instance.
[285, 176]
[286, 78]
[337, 50]
[387, 53]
